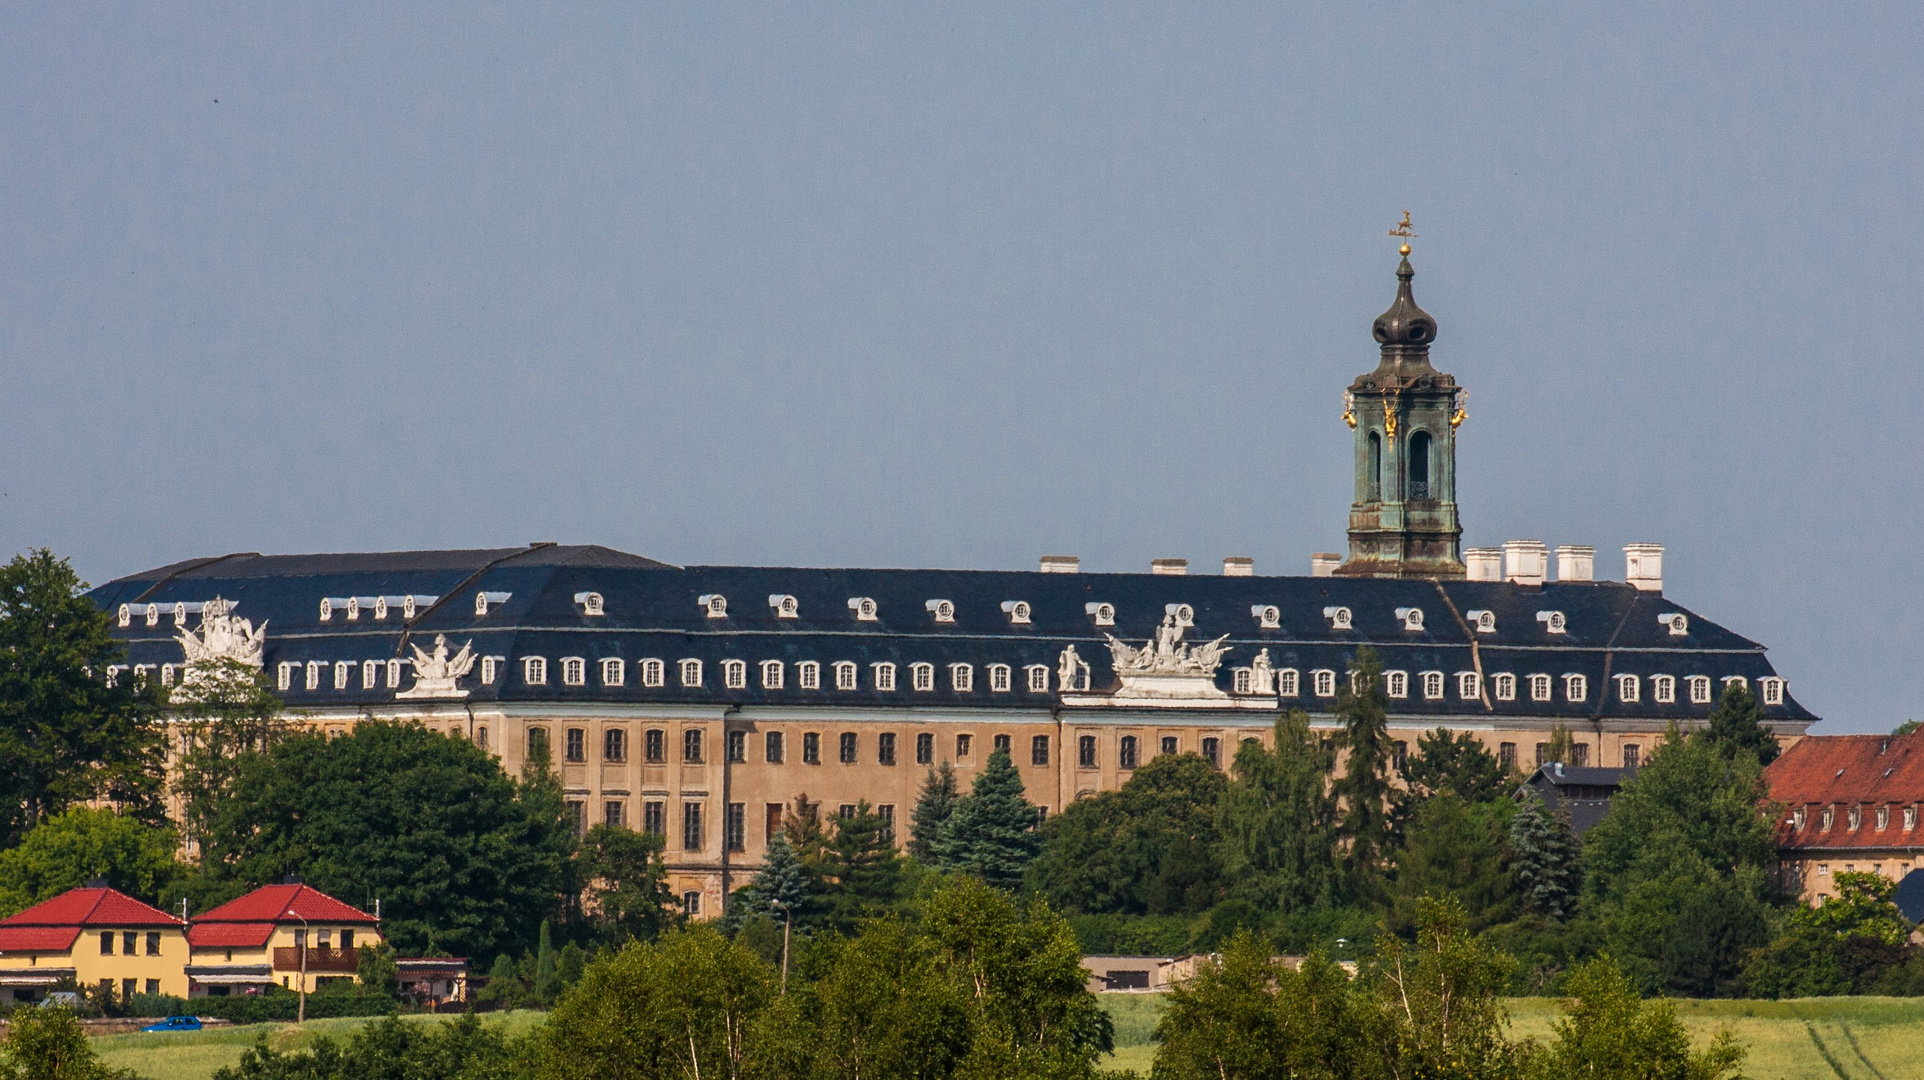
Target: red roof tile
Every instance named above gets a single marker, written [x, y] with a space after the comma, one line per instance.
[92, 907]
[1844, 772]
[286, 904]
[18, 939]
[226, 935]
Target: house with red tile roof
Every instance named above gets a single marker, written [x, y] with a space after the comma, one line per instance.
[1849, 803]
[276, 935]
[92, 936]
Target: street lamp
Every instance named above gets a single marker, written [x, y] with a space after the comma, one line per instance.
[301, 1016]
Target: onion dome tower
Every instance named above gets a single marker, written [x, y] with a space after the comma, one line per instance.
[1403, 521]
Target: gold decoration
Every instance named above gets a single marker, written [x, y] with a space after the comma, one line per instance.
[1389, 417]
[1462, 412]
[1349, 409]
[1404, 230]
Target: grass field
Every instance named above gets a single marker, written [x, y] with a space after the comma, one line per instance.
[1808, 1039]
[195, 1055]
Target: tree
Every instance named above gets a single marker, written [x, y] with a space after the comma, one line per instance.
[992, 831]
[1436, 1007]
[48, 1044]
[1851, 943]
[780, 888]
[1278, 821]
[460, 1049]
[376, 971]
[80, 844]
[1459, 764]
[627, 884]
[1736, 726]
[861, 869]
[544, 966]
[1246, 1016]
[1148, 848]
[1608, 1032]
[452, 847]
[1364, 786]
[932, 809]
[1452, 849]
[224, 711]
[1559, 748]
[74, 727]
[1546, 860]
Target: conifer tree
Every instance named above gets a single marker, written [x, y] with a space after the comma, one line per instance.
[1559, 747]
[932, 809]
[1736, 726]
[991, 833]
[782, 888]
[544, 966]
[1546, 860]
[1277, 820]
[1364, 787]
[862, 863]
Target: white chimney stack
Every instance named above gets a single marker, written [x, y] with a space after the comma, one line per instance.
[1169, 567]
[1483, 564]
[1643, 566]
[1324, 563]
[1576, 562]
[1061, 564]
[1525, 562]
[1239, 566]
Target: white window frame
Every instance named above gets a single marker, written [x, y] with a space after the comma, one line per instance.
[1469, 685]
[962, 678]
[714, 605]
[1289, 682]
[808, 675]
[942, 610]
[1244, 681]
[883, 672]
[369, 673]
[394, 672]
[1433, 686]
[340, 674]
[734, 674]
[284, 676]
[1396, 684]
[1699, 689]
[1541, 687]
[653, 672]
[1576, 687]
[1323, 681]
[1770, 690]
[1663, 689]
[922, 676]
[1738, 679]
[490, 670]
[846, 675]
[534, 670]
[1018, 612]
[1629, 689]
[998, 678]
[614, 671]
[864, 608]
[1505, 689]
[574, 671]
[774, 674]
[1038, 678]
[690, 670]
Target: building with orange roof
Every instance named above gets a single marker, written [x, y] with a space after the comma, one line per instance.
[1850, 803]
[93, 936]
[276, 936]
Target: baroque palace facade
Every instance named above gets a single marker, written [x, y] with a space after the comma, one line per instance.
[698, 702]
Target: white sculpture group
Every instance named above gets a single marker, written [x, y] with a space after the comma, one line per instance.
[437, 674]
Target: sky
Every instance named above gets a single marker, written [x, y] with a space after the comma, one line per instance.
[961, 285]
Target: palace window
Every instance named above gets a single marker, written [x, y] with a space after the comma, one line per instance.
[714, 605]
[1168, 744]
[1433, 685]
[1699, 689]
[1018, 612]
[394, 671]
[691, 672]
[369, 672]
[1325, 682]
[1038, 678]
[811, 748]
[1039, 750]
[614, 745]
[1663, 689]
[1580, 754]
[737, 826]
[863, 607]
[1243, 681]
[943, 610]
[614, 671]
[1632, 755]
[845, 675]
[1086, 752]
[1396, 683]
[922, 676]
[1288, 682]
[691, 904]
[884, 674]
[735, 674]
[1629, 688]
[651, 672]
[313, 675]
[537, 742]
[885, 748]
[774, 672]
[1469, 685]
[574, 671]
[1103, 614]
[340, 674]
[1773, 690]
[691, 830]
[1737, 679]
[786, 607]
[1400, 755]
[886, 812]
[848, 748]
[924, 749]
[1212, 751]
[284, 675]
[1505, 687]
[1506, 755]
[964, 746]
[1002, 744]
[998, 678]
[1126, 752]
[737, 746]
[691, 746]
[575, 744]
[772, 748]
[1576, 687]
[654, 744]
[590, 602]
[962, 677]
[534, 670]
[614, 813]
[1539, 688]
[808, 675]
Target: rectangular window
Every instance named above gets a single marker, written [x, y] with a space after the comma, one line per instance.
[735, 674]
[1506, 755]
[738, 747]
[1580, 754]
[1773, 691]
[537, 742]
[884, 676]
[922, 676]
[340, 674]
[1002, 744]
[1664, 689]
[1212, 751]
[924, 749]
[1400, 755]
[886, 812]
[691, 832]
[1543, 753]
[370, 671]
[614, 813]
[1086, 752]
[1325, 683]
[1287, 684]
[654, 743]
[1631, 754]
[1506, 687]
[578, 816]
[811, 748]
[962, 677]
[964, 744]
[130, 943]
[737, 826]
[1396, 684]
[1699, 690]
[998, 678]
[885, 748]
[347, 941]
[576, 744]
[1539, 688]
[1629, 688]
[691, 672]
[1469, 685]
[654, 818]
[848, 748]
[771, 820]
[844, 675]
[772, 748]
[153, 986]
[808, 674]
[613, 671]
[106, 943]
[284, 675]
[691, 746]
[574, 671]
[1038, 678]
[1039, 750]
[1576, 687]
[490, 671]
[651, 672]
[1126, 752]
[153, 943]
[1168, 744]
[614, 745]
[1243, 681]
[773, 674]
[534, 670]
[394, 671]
[1433, 686]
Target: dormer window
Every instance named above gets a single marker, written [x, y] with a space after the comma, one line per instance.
[483, 603]
[408, 606]
[884, 673]
[1324, 682]
[1676, 622]
[1827, 819]
[614, 672]
[1433, 686]
[1539, 688]
[844, 675]
[1185, 615]
[1910, 818]
[863, 607]
[1576, 687]
[1038, 676]
[1469, 685]
[962, 677]
[1883, 818]
[773, 674]
[1268, 616]
[1396, 684]
[1797, 819]
[1663, 688]
[126, 615]
[691, 672]
[1629, 688]
[998, 678]
[380, 608]
[1553, 621]
[534, 670]
[922, 676]
[1738, 680]
[1243, 681]
[153, 614]
[1854, 818]
[394, 672]
[1103, 614]
[1287, 680]
[1484, 621]
[589, 603]
[808, 675]
[327, 608]
[785, 606]
[1338, 617]
[942, 610]
[714, 605]
[1018, 612]
[652, 673]
[1412, 617]
[284, 675]
[735, 674]
[1505, 686]
[1699, 689]
[574, 671]
[370, 671]
[1772, 690]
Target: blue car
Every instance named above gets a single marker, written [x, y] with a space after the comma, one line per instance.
[175, 1023]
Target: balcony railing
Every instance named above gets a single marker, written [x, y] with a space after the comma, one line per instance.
[325, 960]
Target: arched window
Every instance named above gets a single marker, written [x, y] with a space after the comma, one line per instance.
[1420, 465]
[1375, 490]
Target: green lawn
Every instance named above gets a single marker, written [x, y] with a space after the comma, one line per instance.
[1863, 1038]
[195, 1055]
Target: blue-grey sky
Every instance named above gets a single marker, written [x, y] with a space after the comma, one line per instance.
[906, 286]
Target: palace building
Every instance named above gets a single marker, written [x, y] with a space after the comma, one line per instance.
[698, 702]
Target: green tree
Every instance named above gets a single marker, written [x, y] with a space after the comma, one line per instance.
[627, 884]
[1736, 726]
[73, 726]
[1437, 1013]
[682, 1005]
[781, 888]
[1609, 1032]
[1452, 849]
[861, 869]
[1456, 763]
[1364, 787]
[1247, 1017]
[544, 987]
[454, 849]
[1278, 821]
[505, 987]
[1546, 860]
[1849, 944]
[79, 844]
[933, 805]
[1560, 748]
[391, 1049]
[992, 831]
[1150, 847]
[224, 711]
[48, 1044]
[376, 971]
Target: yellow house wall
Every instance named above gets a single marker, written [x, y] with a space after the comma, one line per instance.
[90, 967]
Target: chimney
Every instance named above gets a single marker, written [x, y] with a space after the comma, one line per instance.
[1525, 561]
[1324, 564]
[1171, 567]
[1576, 562]
[1061, 564]
[1483, 564]
[1239, 566]
[1643, 566]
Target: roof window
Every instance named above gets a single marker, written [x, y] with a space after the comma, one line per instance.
[1324, 682]
[614, 672]
[1469, 685]
[1772, 690]
[126, 615]
[1018, 612]
[773, 674]
[1268, 616]
[714, 605]
[1433, 685]
[1553, 621]
[1484, 621]
[808, 675]
[1396, 684]
[863, 607]
[844, 675]
[1699, 689]
[1676, 622]
[1338, 617]
[1104, 614]
[652, 672]
[1505, 687]
[1576, 687]
[999, 678]
[534, 670]
[922, 675]
[786, 606]
[153, 614]
[962, 677]
[1539, 688]
[1038, 676]
[1183, 613]
[735, 674]
[589, 603]
[943, 610]
[482, 602]
[1629, 688]
[691, 672]
[884, 673]
[574, 671]
[1412, 617]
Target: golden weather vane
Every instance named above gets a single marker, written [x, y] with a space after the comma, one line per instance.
[1404, 230]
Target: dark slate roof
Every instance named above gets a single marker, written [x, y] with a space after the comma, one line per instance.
[652, 611]
[1583, 792]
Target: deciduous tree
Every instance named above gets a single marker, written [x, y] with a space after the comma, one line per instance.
[1278, 821]
[80, 844]
[1148, 848]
